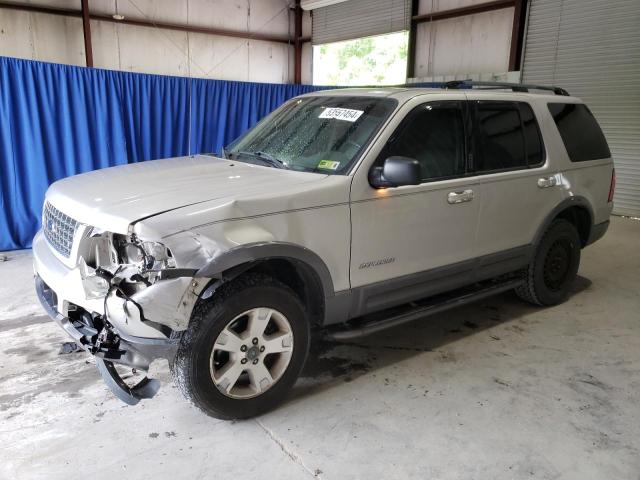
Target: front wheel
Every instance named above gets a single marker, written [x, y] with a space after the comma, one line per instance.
[243, 349]
[554, 267]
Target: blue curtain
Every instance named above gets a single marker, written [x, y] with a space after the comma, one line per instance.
[221, 110]
[59, 120]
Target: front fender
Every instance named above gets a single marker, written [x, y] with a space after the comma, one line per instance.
[172, 301]
[253, 252]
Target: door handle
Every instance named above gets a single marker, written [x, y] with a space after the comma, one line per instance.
[460, 197]
[547, 182]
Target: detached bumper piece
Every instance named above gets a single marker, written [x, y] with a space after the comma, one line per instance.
[146, 388]
[110, 348]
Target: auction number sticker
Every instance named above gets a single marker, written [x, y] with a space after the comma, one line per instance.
[345, 114]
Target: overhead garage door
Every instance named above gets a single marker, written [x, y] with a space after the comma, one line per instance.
[359, 18]
[592, 49]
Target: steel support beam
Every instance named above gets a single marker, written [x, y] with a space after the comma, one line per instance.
[411, 47]
[463, 11]
[297, 43]
[86, 29]
[517, 35]
[143, 23]
[194, 29]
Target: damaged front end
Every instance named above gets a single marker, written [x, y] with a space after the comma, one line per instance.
[124, 301]
[123, 269]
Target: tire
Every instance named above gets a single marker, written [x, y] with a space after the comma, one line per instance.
[208, 348]
[551, 273]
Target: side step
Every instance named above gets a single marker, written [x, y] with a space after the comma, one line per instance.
[415, 310]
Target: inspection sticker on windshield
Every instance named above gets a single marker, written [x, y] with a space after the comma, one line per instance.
[328, 165]
[341, 114]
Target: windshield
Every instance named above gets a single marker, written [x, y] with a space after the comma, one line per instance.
[314, 134]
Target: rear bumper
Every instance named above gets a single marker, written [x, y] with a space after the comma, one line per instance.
[121, 349]
[597, 232]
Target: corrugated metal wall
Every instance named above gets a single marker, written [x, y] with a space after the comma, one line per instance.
[359, 18]
[592, 48]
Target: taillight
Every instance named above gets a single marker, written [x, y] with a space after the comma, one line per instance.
[612, 187]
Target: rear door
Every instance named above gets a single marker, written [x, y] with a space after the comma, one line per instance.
[516, 179]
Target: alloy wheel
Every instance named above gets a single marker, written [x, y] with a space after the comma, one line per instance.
[251, 353]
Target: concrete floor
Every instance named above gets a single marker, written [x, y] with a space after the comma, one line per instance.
[496, 390]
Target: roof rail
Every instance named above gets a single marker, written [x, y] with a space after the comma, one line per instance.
[516, 87]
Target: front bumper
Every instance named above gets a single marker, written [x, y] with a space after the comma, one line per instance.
[122, 349]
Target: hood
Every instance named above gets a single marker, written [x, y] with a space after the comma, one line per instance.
[113, 198]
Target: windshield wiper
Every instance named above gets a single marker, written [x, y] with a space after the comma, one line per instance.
[264, 157]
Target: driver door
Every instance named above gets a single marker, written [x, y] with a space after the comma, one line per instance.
[412, 241]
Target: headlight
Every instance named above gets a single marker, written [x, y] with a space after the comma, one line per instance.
[126, 264]
[147, 255]
[133, 254]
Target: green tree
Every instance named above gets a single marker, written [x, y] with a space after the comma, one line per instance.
[364, 61]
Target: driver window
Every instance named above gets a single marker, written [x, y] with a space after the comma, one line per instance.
[433, 134]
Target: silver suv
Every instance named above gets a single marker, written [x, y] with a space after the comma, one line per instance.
[350, 210]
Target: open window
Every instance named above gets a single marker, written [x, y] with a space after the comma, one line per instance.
[378, 60]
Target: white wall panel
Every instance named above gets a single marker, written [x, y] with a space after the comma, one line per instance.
[105, 44]
[169, 11]
[270, 16]
[151, 50]
[307, 23]
[307, 64]
[59, 39]
[49, 38]
[474, 43]
[218, 57]
[16, 36]
[262, 58]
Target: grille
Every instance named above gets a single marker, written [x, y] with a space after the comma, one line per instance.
[59, 229]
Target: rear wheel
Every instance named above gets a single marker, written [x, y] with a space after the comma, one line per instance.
[554, 267]
[243, 349]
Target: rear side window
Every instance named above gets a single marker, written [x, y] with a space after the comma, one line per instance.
[507, 137]
[580, 132]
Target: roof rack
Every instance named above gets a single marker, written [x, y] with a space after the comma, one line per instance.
[516, 87]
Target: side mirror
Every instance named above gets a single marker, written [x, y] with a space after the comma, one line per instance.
[395, 172]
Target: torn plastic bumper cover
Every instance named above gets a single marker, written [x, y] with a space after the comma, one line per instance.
[110, 348]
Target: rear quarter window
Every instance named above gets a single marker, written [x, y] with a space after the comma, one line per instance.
[580, 132]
